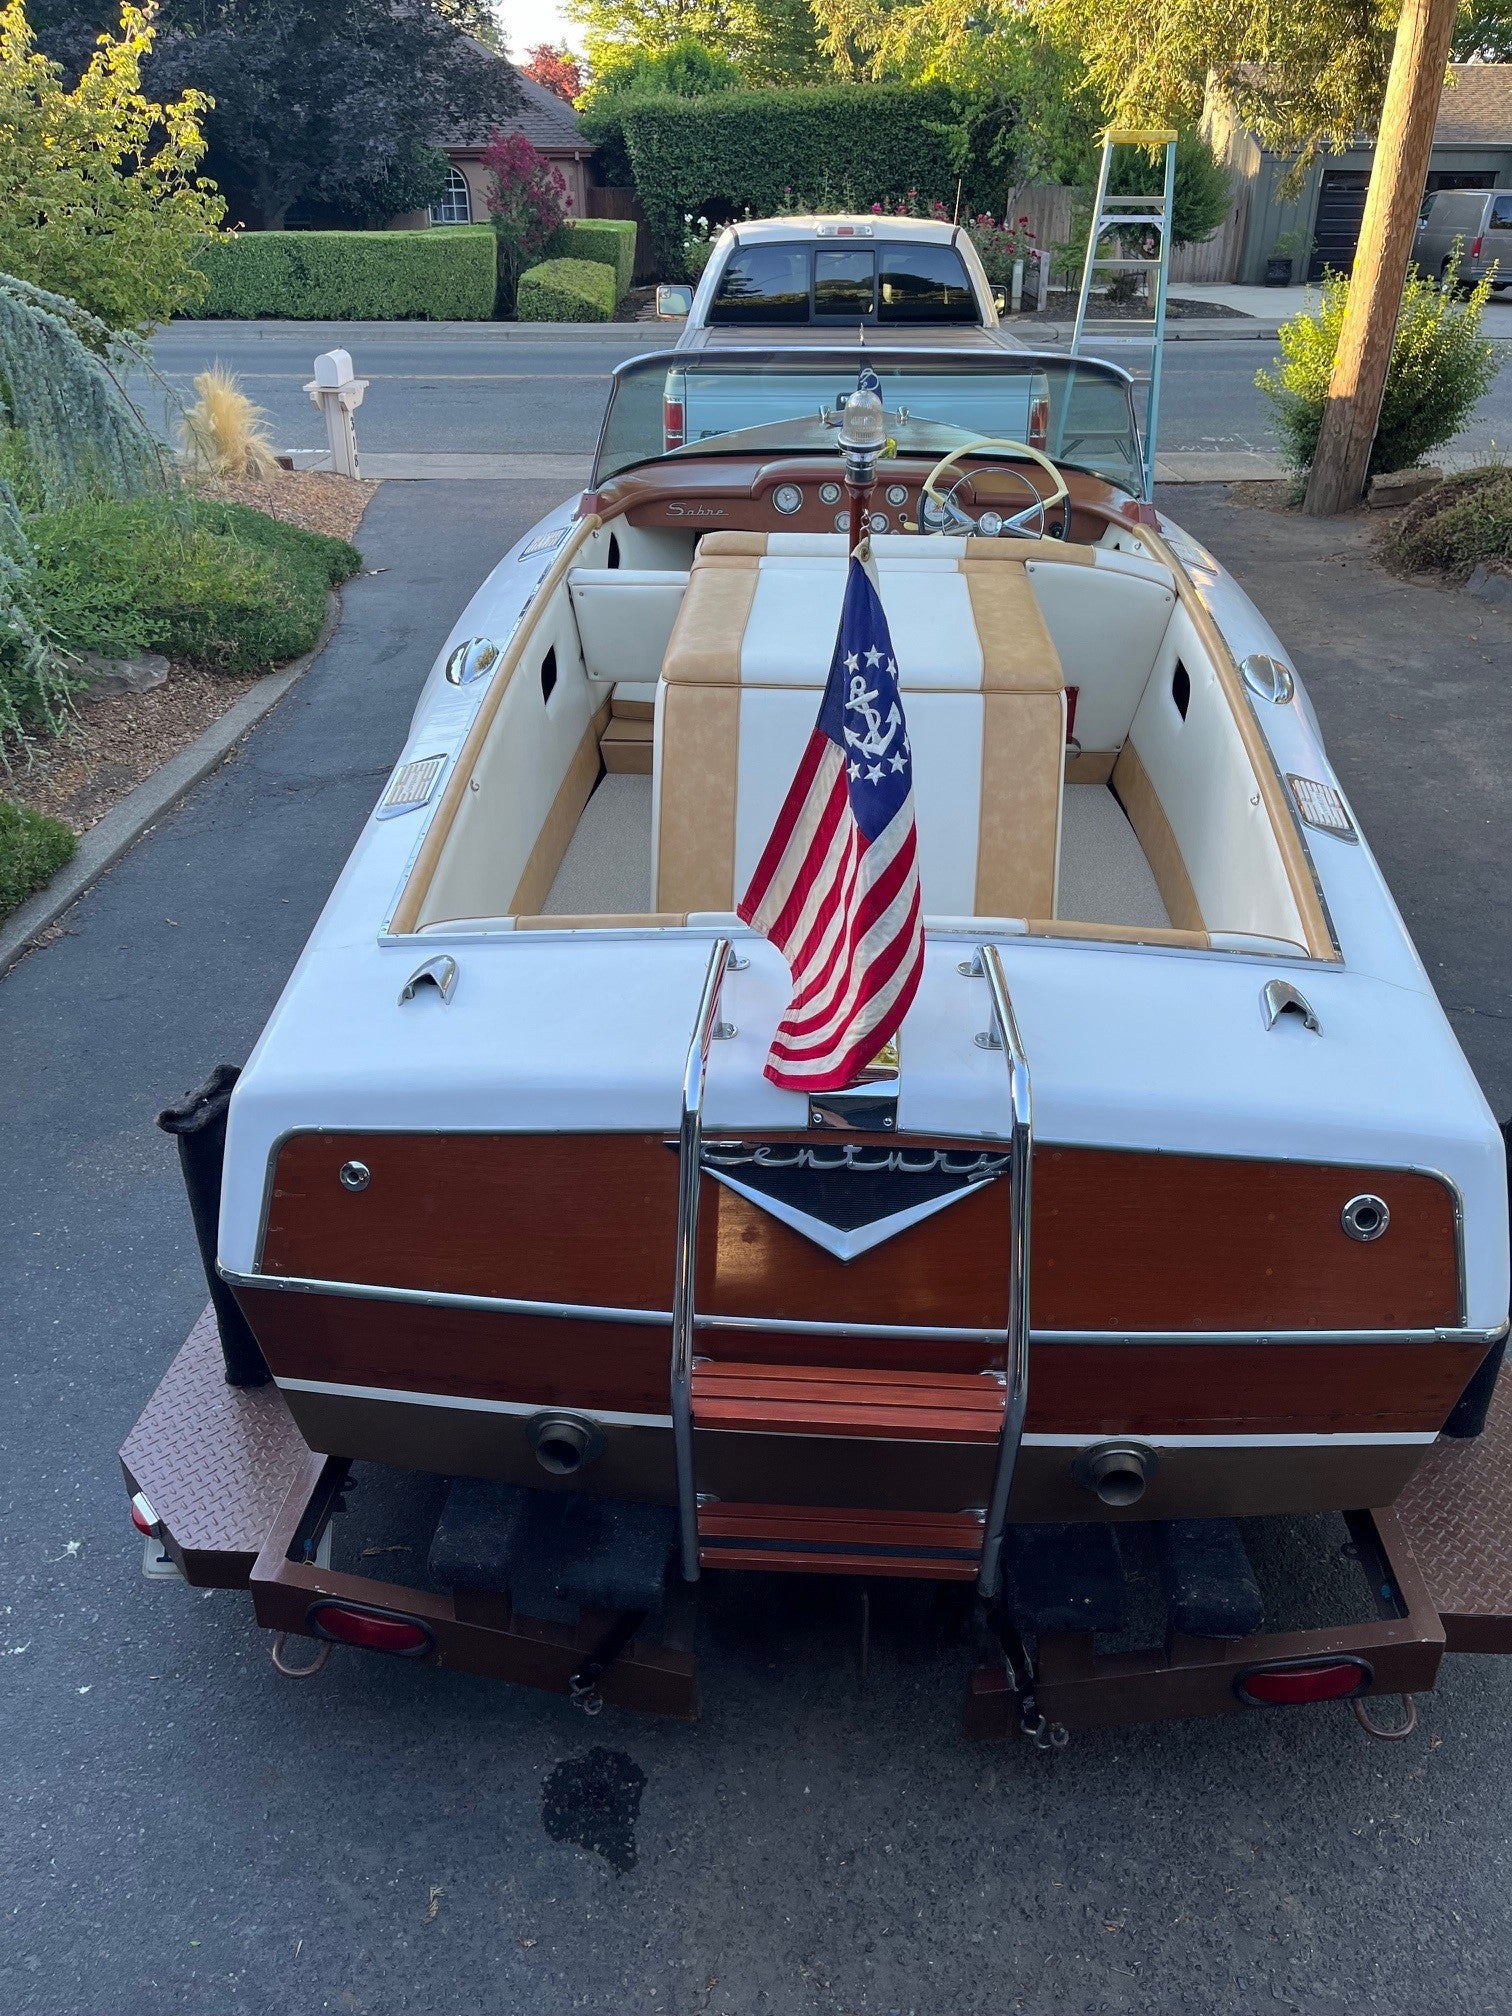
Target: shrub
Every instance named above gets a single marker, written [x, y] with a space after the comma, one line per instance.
[841, 144]
[1454, 527]
[1440, 366]
[439, 275]
[223, 432]
[527, 201]
[32, 850]
[214, 584]
[567, 290]
[609, 240]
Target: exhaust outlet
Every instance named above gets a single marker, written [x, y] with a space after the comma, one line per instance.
[1116, 1473]
[564, 1443]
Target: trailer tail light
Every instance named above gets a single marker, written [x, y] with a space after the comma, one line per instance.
[1039, 420]
[674, 423]
[371, 1630]
[1286, 1683]
[144, 1518]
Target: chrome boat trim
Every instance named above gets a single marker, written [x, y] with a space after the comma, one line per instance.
[1017, 1335]
[1369, 1438]
[689, 1185]
[589, 1312]
[472, 1403]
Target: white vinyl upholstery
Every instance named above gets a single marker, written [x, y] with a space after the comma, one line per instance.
[624, 618]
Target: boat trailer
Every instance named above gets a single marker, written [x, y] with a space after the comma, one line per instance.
[229, 1496]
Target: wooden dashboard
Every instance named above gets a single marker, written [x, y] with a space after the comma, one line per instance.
[805, 493]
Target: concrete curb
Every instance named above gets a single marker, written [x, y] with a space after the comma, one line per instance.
[1219, 330]
[124, 824]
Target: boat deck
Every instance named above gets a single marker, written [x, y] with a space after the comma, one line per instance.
[606, 871]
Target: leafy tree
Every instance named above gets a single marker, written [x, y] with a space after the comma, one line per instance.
[100, 199]
[1483, 33]
[334, 103]
[685, 70]
[769, 41]
[557, 68]
[527, 201]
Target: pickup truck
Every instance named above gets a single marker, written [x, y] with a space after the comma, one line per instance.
[790, 282]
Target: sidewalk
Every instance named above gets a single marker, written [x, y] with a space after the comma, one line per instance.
[1265, 309]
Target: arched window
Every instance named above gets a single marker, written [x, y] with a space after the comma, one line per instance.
[455, 205]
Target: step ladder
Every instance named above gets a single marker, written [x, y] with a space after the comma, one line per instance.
[1113, 217]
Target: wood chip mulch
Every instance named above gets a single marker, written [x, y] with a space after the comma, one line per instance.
[113, 743]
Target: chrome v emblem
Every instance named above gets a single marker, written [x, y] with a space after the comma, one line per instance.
[850, 1196]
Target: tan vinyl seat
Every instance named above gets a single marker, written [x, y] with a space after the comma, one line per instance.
[982, 691]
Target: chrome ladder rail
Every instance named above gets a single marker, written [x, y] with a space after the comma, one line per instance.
[1016, 1356]
[689, 1156]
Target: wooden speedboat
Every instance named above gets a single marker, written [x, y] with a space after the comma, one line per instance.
[1178, 1198]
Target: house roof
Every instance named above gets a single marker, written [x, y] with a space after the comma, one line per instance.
[546, 121]
[1476, 108]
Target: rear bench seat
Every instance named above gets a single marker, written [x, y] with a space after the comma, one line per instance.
[983, 693]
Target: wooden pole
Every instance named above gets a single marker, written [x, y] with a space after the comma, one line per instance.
[1408, 118]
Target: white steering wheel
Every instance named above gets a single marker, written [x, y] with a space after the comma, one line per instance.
[1029, 523]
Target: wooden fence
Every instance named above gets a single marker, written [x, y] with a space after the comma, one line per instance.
[625, 203]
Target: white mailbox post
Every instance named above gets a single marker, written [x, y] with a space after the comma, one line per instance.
[338, 395]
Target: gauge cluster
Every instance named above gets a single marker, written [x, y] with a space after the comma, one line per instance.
[822, 507]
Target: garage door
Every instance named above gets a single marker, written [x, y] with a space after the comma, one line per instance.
[1341, 207]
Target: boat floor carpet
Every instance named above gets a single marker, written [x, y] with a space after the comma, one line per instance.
[1104, 876]
[606, 870]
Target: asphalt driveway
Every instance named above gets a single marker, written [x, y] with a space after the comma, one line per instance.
[185, 1831]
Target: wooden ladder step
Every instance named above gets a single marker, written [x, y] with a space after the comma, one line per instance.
[840, 1540]
[843, 1400]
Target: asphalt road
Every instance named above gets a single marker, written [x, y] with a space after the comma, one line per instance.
[473, 395]
[186, 1832]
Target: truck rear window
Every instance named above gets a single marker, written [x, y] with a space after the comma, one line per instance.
[886, 284]
[924, 283]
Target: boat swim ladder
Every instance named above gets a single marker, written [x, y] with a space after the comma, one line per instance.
[1115, 217]
[1004, 1035]
[685, 1266]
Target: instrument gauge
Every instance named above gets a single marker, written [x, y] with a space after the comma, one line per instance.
[879, 521]
[787, 498]
[842, 521]
[897, 495]
[932, 513]
[829, 493]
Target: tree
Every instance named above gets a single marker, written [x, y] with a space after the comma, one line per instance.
[686, 70]
[527, 201]
[330, 102]
[769, 41]
[100, 198]
[558, 69]
[1483, 32]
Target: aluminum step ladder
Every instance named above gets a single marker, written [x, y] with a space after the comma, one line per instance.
[1113, 218]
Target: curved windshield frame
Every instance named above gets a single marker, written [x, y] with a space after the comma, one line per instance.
[776, 402]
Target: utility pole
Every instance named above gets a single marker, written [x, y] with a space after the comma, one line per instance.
[1408, 117]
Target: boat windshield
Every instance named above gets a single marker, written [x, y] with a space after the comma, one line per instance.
[790, 402]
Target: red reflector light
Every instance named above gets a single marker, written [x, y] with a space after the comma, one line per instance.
[673, 423]
[1039, 420]
[372, 1630]
[143, 1517]
[1290, 1682]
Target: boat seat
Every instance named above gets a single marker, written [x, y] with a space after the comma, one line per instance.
[624, 618]
[738, 696]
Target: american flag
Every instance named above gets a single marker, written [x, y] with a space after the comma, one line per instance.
[837, 886]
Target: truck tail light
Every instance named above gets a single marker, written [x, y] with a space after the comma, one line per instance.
[673, 423]
[143, 1517]
[1286, 1683]
[1039, 420]
[1475, 246]
[372, 1630]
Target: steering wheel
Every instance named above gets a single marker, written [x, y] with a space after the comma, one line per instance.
[1029, 523]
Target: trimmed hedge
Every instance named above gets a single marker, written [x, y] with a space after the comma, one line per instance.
[567, 290]
[445, 274]
[837, 146]
[609, 240]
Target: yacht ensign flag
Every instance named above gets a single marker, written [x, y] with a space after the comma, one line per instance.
[837, 886]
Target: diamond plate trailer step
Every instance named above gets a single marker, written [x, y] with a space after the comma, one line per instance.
[1456, 1516]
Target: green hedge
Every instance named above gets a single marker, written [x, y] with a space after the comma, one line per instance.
[609, 240]
[32, 850]
[839, 146]
[567, 290]
[446, 274]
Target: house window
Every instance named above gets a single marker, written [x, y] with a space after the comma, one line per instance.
[455, 206]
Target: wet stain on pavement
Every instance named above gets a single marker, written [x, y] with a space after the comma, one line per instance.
[593, 1802]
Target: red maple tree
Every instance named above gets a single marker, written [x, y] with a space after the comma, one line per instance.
[557, 69]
